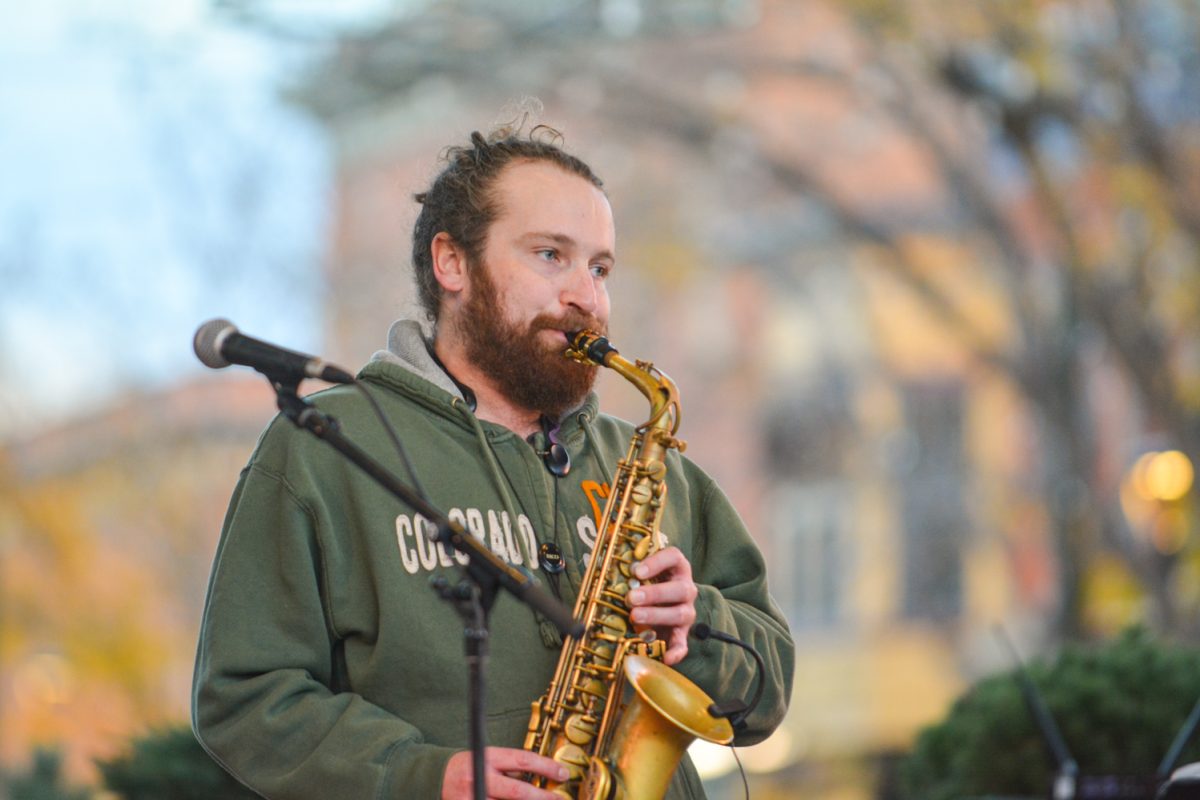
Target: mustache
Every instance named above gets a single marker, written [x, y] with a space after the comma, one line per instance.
[570, 321]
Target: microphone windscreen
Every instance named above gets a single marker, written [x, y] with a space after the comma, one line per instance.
[701, 631]
[206, 341]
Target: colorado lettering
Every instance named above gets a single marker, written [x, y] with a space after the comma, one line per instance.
[585, 527]
[421, 553]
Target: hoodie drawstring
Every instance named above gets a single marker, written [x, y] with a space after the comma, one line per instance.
[585, 422]
[549, 633]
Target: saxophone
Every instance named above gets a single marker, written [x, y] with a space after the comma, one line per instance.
[614, 714]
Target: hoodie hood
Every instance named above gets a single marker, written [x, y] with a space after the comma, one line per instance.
[409, 349]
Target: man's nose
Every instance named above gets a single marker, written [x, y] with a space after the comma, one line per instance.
[580, 289]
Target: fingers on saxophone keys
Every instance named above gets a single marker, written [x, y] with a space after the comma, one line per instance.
[515, 760]
[508, 765]
[669, 560]
[502, 788]
[668, 616]
[664, 594]
[676, 652]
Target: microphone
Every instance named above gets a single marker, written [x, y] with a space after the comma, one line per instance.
[218, 344]
[735, 711]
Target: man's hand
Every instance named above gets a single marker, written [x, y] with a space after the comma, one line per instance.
[669, 606]
[502, 762]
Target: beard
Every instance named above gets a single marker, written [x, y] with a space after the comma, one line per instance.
[531, 373]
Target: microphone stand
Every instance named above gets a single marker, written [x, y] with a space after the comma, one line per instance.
[486, 572]
[473, 601]
[1066, 780]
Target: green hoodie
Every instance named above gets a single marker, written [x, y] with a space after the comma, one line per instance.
[329, 668]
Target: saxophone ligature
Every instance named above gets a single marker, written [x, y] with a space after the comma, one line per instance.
[614, 715]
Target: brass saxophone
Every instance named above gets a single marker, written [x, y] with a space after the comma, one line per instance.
[614, 714]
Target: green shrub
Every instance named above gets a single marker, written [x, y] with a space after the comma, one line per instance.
[44, 780]
[169, 764]
[1119, 707]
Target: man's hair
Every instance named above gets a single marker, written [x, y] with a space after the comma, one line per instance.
[461, 200]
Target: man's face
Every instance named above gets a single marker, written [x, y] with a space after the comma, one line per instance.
[543, 271]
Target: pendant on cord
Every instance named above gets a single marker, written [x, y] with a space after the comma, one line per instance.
[555, 457]
[550, 558]
[557, 460]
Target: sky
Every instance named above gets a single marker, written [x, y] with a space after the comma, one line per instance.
[152, 178]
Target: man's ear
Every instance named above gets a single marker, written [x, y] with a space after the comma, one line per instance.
[449, 263]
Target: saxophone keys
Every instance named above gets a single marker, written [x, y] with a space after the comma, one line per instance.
[604, 651]
[595, 687]
[600, 783]
[579, 731]
[641, 494]
[573, 757]
[643, 548]
[655, 469]
[535, 724]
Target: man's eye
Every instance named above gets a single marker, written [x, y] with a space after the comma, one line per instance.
[601, 270]
[548, 254]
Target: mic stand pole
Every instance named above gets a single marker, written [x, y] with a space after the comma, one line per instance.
[473, 600]
[487, 572]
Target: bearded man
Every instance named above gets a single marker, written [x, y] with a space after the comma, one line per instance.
[327, 668]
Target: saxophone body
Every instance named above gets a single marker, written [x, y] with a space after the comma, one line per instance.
[614, 714]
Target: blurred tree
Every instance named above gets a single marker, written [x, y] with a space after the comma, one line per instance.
[1064, 139]
[169, 764]
[1077, 182]
[86, 649]
[1057, 170]
[44, 781]
[107, 528]
[1119, 708]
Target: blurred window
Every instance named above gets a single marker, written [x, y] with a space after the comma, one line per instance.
[808, 566]
[932, 502]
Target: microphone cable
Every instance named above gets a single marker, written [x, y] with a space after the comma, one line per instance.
[735, 711]
[218, 344]
[391, 432]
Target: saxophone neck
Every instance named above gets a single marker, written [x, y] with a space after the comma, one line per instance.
[590, 347]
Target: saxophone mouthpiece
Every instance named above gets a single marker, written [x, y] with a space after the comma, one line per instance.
[589, 346]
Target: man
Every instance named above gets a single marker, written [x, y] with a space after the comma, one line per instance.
[326, 665]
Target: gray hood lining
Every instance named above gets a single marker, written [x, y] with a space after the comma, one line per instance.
[408, 348]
